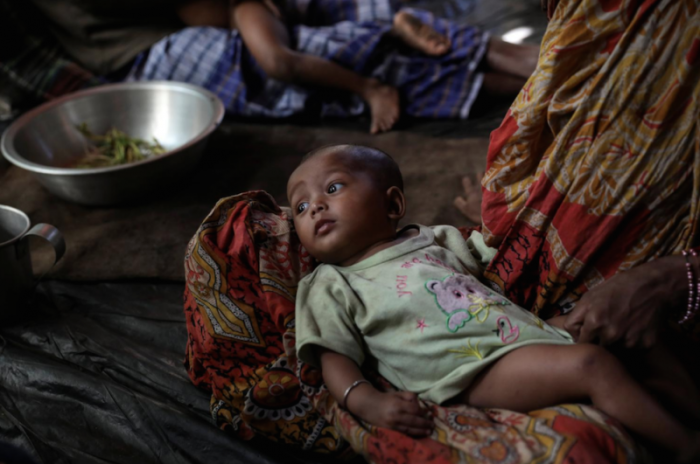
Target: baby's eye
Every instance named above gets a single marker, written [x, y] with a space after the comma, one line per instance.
[334, 187]
[302, 207]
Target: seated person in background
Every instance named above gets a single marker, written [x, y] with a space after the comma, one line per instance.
[440, 69]
[268, 59]
[411, 302]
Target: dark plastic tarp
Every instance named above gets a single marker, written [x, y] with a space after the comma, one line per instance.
[93, 374]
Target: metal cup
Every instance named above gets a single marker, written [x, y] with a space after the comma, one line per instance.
[16, 277]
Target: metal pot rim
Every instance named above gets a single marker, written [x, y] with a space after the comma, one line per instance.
[7, 146]
[26, 229]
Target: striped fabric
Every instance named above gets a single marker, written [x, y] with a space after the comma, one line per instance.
[350, 33]
[33, 67]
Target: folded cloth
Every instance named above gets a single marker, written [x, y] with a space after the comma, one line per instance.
[350, 33]
[33, 66]
[242, 269]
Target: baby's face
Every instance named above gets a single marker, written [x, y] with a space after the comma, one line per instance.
[338, 211]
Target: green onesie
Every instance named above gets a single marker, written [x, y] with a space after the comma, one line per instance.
[416, 312]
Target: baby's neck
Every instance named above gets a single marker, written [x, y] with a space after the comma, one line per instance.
[375, 248]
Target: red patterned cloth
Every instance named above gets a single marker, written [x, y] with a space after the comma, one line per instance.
[242, 268]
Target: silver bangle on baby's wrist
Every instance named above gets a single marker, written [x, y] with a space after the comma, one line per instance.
[344, 404]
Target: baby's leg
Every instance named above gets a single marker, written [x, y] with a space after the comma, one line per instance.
[537, 376]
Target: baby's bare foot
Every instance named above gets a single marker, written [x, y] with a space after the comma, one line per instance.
[383, 102]
[470, 203]
[420, 36]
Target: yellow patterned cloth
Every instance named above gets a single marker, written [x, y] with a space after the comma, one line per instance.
[596, 168]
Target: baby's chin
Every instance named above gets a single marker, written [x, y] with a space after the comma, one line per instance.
[334, 248]
[336, 256]
[327, 259]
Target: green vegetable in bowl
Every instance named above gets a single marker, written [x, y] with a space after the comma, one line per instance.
[115, 148]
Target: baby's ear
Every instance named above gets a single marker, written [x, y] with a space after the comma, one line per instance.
[396, 203]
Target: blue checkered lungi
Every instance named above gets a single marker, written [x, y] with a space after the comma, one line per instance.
[351, 33]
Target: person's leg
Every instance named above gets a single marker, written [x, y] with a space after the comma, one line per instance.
[418, 35]
[515, 59]
[268, 41]
[538, 376]
[496, 84]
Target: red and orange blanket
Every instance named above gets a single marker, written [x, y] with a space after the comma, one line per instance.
[242, 268]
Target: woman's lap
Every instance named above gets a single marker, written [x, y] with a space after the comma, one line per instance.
[596, 167]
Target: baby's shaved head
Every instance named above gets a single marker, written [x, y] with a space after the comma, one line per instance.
[380, 166]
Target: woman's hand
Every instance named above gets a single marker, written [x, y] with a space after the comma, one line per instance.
[399, 411]
[629, 306]
[558, 321]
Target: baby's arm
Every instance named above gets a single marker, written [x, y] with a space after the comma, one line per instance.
[396, 410]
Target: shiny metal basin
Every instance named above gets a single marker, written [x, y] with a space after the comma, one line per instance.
[45, 141]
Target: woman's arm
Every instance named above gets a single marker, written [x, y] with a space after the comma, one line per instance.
[398, 410]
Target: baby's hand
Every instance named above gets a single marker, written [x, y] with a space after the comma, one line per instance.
[400, 411]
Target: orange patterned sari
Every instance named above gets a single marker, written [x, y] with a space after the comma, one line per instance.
[596, 167]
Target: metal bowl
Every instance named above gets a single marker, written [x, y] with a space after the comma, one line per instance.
[46, 142]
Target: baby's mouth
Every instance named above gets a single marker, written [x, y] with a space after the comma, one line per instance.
[324, 226]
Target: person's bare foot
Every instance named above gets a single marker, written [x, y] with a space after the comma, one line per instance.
[419, 36]
[384, 105]
[470, 203]
[509, 58]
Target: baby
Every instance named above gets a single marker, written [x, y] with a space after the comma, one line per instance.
[408, 302]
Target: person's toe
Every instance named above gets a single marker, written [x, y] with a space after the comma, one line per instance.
[438, 43]
[461, 204]
[467, 185]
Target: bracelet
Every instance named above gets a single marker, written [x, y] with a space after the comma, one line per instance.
[697, 289]
[349, 389]
[693, 288]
